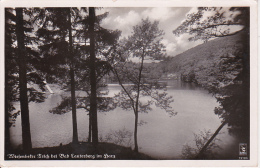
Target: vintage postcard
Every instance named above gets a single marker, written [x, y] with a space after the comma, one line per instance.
[128, 83]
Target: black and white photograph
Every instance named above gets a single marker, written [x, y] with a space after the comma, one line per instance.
[127, 83]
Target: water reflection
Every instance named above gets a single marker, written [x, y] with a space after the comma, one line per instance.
[179, 85]
[162, 136]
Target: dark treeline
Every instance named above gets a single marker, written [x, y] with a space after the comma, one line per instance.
[68, 46]
[54, 54]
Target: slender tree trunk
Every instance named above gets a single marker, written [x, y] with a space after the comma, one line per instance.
[135, 132]
[26, 133]
[200, 154]
[90, 128]
[93, 96]
[72, 84]
[137, 104]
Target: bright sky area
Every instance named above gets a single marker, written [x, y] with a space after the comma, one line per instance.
[169, 18]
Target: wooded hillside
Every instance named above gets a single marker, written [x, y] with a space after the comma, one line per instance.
[207, 62]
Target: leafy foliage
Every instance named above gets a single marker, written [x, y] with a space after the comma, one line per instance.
[144, 43]
[63, 107]
[220, 70]
[189, 152]
[121, 137]
[105, 104]
[11, 65]
[219, 22]
[33, 61]
[228, 76]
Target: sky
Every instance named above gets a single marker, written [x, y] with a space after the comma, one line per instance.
[124, 18]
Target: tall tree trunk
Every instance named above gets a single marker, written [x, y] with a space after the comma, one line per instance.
[137, 103]
[72, 84]
[26, 133]
[93, 96]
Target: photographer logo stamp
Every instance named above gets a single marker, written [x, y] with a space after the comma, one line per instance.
[243, 151]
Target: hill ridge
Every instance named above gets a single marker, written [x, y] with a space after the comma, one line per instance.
[200, 63]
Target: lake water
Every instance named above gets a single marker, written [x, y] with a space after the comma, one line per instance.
[161, 136]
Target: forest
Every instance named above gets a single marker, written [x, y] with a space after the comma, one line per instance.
[77, 90]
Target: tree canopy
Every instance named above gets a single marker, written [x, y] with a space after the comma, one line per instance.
[211, 22]
[144, 43]
[231, 84]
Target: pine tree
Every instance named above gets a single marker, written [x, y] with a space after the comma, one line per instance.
[11, 80]
[21, 65]
[55, 28]
[93, 96]
[105, 42]
[26, 133]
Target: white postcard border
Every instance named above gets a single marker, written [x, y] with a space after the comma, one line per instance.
[142, 163]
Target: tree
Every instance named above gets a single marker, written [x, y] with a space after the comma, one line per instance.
[72, 82]
[11, 67]
[189, 152]
[93, 85]
[219, 23]
[55, 25]
[104, 43]
[231, 93]
[144, 43]
[26, 133]
[21, 63]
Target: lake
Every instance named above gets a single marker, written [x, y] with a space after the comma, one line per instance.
[161, 136]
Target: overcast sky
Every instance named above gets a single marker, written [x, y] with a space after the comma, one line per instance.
[169, 18]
